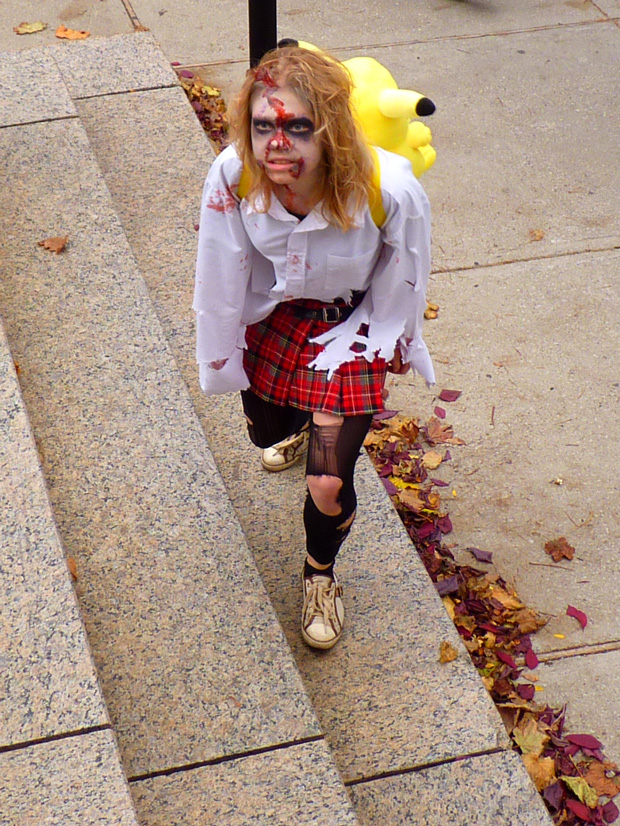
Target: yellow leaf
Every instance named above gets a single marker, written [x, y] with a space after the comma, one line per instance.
[211, 91]
[55, 244]
[541, 770]
[30, 28]
[529, 738]
[449, 606]
[71, 34]
[584, 792]
[432, 459]
[447, 652]
[560, 636]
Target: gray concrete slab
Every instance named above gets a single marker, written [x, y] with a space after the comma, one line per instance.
[166, 156]
[101, 18]
[610, 7]
[135, 491]
[590, 687]
[534, 348]
[104, 66]
[192, 34]
[296, 785]
[32, 89]
[387, 662]
[76, 781]
[490, 790]
[48, 684]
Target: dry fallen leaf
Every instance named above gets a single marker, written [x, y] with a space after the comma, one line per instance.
[432, 459]
[72, 565]
[540, 769]
[536, 235]
[604, 778]
[55, 244]
[432, 310]
[559, 549]
[529, 738]
[447, 652]
[30, 28]
[71, 34]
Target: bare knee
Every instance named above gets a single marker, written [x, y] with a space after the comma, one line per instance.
[325, 491]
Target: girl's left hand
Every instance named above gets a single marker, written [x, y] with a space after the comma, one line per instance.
[396, 364]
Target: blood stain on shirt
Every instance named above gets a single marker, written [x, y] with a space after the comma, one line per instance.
[222, 201]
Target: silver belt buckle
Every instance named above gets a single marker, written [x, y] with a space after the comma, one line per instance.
[331, 314]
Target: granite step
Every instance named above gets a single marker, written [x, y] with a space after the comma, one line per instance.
[57, 752]
[202, 692]
[396, 720]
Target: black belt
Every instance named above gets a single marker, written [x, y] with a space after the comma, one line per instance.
[330, 314]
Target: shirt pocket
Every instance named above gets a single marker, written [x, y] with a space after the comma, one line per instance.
[353, 272]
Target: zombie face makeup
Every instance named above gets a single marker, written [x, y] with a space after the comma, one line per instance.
[283, 138]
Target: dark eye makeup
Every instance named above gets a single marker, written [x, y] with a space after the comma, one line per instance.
[299, 127]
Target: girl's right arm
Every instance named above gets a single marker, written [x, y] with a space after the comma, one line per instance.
[222, 267]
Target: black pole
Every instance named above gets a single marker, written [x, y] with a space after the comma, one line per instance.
[263, 28]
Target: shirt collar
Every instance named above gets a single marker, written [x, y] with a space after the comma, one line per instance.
[314, 220]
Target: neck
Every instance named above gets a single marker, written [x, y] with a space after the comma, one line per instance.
[298, 198]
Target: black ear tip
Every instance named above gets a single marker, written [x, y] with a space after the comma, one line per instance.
[287, 41]
[425, 107]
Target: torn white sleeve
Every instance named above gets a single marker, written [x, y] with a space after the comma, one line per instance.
[223, 266]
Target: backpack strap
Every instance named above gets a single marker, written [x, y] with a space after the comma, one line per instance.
[375, 202]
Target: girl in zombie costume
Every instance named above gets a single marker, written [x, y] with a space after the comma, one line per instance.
[303, 303]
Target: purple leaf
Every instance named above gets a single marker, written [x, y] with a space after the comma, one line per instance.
[526, 691]
[578, 615]
[481, 556]
[390, 486]
[427, 529]
[585, 741]
[506, 658]
[444, 524]
[447, 586]
[554, 795]
[578, 808]
[610, 812]
[449, 395]
[187, 74]
[440, 412]
[531, 660]
[196, 227]
[385, 414]
[386, 470]
[175, 63]
[440, 483]
[447, 456]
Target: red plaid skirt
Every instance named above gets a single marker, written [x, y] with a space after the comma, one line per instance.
[277, 357]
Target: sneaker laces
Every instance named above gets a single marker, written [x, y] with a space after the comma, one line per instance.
[320, 601]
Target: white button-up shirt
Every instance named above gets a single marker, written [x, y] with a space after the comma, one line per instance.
[249, 260]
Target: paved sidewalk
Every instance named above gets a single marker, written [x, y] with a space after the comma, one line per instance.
[527, 329]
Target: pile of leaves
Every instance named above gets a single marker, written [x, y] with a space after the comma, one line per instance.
[570, 771]
[208, 104]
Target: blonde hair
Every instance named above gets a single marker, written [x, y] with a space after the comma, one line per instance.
[324, 86]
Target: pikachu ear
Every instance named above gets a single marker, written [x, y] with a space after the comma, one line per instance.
[404, 103]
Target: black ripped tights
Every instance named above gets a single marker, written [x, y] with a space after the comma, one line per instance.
[332, 451]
